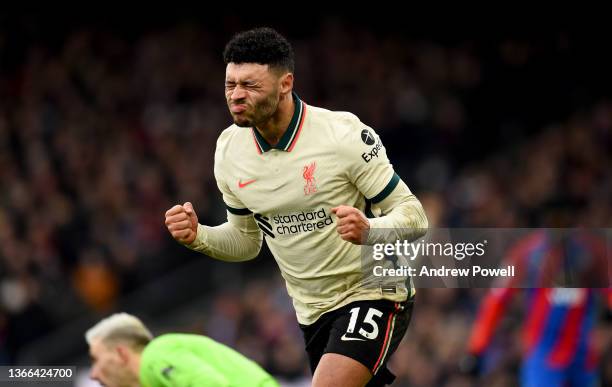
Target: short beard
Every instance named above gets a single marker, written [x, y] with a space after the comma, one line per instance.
[262, 111]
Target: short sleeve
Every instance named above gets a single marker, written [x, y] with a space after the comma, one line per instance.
[233, 204]
[367, 165]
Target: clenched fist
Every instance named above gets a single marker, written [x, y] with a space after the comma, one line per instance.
[182, 222]
[352, 224]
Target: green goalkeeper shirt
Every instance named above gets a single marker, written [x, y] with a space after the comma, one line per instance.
[182, 360]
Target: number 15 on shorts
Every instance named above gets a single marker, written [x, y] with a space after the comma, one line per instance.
[368, 328]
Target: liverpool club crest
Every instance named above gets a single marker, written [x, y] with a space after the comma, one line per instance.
[311, 184]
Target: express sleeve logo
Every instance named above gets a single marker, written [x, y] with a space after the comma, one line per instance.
[367, 137]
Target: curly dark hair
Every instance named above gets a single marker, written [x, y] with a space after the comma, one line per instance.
[260, 45]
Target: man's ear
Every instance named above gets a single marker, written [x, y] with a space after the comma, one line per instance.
[286, 84]
[123, 352]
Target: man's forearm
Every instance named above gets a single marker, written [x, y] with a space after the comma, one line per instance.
[404, 218]
[227, 242]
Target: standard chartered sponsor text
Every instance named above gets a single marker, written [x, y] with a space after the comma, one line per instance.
[302, 221]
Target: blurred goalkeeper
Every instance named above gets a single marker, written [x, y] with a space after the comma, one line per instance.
[312, 181]
[125, 354]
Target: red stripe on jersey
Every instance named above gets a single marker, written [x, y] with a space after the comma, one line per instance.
[562, 353]
[537, 319]
[255, 139]
[297, 135]
[488, 316]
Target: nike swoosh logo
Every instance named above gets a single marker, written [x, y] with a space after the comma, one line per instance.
[344, 338]
[242, 185]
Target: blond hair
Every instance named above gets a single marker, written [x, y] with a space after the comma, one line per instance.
[120, 328]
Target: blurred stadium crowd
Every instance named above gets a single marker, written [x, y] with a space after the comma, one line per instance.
[102, 129]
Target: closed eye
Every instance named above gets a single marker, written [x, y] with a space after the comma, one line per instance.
[246, 85]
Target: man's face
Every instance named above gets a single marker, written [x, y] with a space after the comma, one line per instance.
[108, 368]
[252, 92]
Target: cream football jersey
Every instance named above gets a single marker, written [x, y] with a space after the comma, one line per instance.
[323, 160]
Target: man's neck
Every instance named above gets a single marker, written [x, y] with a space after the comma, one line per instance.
[272, 130]
[135, 368]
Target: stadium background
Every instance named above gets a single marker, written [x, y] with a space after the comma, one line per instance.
[106, 121]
